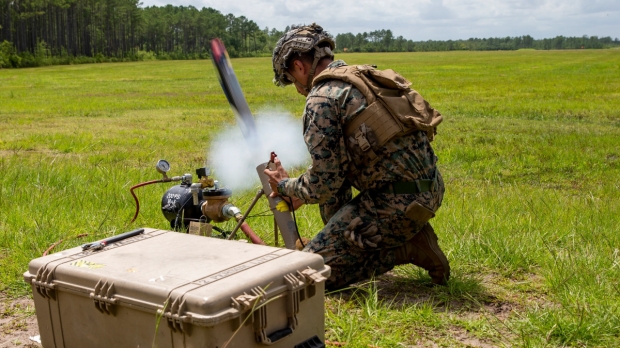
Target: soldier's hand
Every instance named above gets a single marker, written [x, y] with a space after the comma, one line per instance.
[275, 176]
[295, 201]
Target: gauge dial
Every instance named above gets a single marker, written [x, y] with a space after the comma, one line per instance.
[162, 166]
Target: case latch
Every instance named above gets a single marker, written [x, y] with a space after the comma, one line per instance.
[174, 316]
[296, 294]
[260, 320]
[103, 296]
[312, 276]
[260, 315]
[243, 303]
[43, 283]
[299, 287]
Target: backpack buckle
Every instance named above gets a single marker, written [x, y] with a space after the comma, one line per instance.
[363, 143]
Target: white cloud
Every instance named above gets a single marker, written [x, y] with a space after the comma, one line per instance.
[430, 19]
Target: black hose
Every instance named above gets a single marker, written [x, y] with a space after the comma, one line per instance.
[290, 205]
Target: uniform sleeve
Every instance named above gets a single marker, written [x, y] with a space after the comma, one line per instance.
[334, 203]
[325, 142]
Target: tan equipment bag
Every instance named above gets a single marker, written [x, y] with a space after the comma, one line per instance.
[394, 110]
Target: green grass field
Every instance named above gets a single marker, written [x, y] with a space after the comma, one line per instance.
[530, 151]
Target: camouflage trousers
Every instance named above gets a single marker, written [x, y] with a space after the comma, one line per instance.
[351, 262]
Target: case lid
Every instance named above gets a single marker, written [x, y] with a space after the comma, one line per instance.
[200, 280]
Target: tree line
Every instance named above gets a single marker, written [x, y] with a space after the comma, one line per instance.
[45, 32]
[384, 41]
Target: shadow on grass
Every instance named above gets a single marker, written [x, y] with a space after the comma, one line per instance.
[410, 286]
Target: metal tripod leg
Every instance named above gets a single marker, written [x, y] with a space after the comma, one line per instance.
[240, 222]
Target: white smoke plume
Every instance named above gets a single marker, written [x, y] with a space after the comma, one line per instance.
[234, 161]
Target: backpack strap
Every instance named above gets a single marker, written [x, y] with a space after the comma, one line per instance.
[394, 109]
[348, 73]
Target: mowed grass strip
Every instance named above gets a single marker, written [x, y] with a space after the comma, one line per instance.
[529, 150]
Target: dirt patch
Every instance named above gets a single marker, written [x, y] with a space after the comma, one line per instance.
[464, 338]
[500, 310]
[18, 323]
[478, 309]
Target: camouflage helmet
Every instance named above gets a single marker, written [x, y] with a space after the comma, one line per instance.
[300, 39]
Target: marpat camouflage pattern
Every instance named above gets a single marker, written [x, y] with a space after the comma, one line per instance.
[377, 218]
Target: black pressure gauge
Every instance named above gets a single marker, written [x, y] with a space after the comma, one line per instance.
[162, 166]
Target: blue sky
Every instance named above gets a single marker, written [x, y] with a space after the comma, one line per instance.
[430, 19]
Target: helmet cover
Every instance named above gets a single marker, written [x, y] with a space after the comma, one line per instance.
[299, 39]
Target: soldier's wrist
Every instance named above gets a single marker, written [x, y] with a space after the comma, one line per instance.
[281, 187]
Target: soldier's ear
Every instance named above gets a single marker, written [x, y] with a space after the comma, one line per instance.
[300, 67]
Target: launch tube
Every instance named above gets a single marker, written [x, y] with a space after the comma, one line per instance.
[284, 219]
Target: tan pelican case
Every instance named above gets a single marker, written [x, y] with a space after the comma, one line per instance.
[169, 289]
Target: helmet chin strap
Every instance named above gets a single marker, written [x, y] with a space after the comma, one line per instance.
[296, 82]
[318, 54]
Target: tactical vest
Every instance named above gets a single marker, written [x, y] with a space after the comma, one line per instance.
[394, 110]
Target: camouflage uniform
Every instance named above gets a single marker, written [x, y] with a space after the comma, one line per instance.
[328, 181]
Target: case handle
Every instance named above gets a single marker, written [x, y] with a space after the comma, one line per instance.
[298, 288]
[280, 334]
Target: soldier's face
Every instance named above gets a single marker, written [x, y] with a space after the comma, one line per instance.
[300, 72]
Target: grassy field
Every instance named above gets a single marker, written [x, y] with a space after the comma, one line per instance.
[530, 151]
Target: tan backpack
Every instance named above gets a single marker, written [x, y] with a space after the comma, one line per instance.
[393, 110]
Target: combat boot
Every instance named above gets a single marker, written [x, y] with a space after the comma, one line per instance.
[422, 250]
